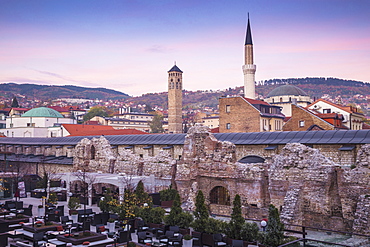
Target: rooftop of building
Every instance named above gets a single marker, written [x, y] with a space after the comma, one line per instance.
[42, 112]
[287, 90]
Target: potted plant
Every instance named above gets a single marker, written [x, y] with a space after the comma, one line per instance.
[40, 210]
[187, 240]
[38, 223]
[111, 224]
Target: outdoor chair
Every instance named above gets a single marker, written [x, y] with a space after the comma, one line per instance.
[166, 237]
[60, 210]
[197, 241]
[175, 229]
[37, 237]
[144, 237]
[53, 217]
[176, 241]
[141, 226]
[124, 236]
[218, 240]
[65, 219]
[237, 243]
[28, 211]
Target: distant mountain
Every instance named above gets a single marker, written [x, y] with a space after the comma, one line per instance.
[45, 92]
[315, 87]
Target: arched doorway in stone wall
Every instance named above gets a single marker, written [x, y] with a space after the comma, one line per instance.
[219, 195]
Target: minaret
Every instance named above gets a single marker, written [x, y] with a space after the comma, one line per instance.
[249, 69]
[174, 100]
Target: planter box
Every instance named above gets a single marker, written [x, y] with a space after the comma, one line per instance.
[166, 204]
[43, 228]
[80, 239]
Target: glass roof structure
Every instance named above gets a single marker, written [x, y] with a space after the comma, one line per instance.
[252, 138]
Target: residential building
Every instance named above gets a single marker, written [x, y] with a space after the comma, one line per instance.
[304, 119]
[239, 114]
[352, 118]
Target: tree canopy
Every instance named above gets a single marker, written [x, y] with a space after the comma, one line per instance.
[100, 111]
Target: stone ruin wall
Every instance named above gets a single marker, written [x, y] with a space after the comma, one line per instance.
[309, 188]
[121, 160]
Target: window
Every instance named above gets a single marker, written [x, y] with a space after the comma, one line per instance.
[301, 123]
[228, 108]
[220, 195]
[281, 99]
[228, 126]
[92, 152]
[30, 124]
[326, 110]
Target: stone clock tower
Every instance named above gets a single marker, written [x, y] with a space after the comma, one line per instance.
[174, 100]
[249, 69]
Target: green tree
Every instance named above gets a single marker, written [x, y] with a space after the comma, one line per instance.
[100, 111]
[156, 124]
[201, 213]
[148, 108]
[274, 235]
[141, 195]
[233, 228]
[15, 102]
[177, 217]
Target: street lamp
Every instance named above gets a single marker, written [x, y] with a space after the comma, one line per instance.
[263, 225]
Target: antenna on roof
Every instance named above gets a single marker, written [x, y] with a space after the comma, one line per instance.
[175, 62]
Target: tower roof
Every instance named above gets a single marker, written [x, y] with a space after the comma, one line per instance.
[175, 68]
[42, 112]
[248, 37]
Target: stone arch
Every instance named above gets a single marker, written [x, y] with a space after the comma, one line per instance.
[219, 195]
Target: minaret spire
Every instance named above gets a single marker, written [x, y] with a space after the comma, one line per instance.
[249, 69]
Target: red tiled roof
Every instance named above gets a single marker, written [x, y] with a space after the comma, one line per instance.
[256, 102]
[59, 108]
[111, 131]
[77, 129]
[215, 130]
[348, 109]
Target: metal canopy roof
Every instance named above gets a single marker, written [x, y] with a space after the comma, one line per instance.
[253, 138]
[38, 159]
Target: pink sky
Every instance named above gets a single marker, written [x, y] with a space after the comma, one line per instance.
[129, 45]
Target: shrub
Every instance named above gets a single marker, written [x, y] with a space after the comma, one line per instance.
[249, 232]
[157, 215]
[168, 194]
[177, 217]
[74, 203]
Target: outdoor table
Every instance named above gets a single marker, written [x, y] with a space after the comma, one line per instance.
[15, 234]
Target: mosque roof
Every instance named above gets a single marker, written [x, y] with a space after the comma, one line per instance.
[175, 69]
[42, 112]
[287, 90]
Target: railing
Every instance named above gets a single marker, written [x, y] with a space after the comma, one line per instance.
[304, 233]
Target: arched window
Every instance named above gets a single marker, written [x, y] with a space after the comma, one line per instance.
[281, 99]
[92, 152]
[220, 195]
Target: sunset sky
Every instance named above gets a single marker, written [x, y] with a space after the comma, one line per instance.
[129, 45]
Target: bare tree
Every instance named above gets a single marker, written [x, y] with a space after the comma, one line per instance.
[87, 180]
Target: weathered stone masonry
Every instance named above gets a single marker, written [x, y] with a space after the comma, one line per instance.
[318, 186]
